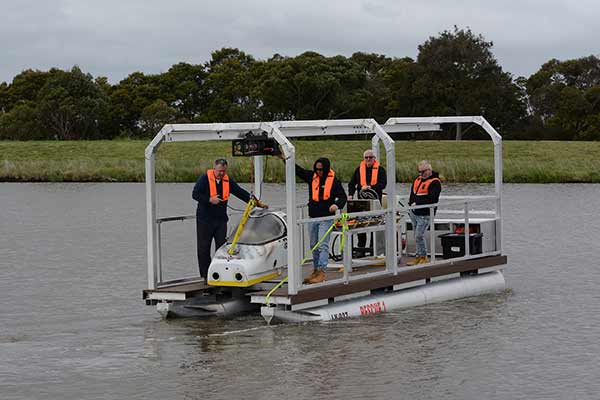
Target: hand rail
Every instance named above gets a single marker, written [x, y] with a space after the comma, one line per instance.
[336, 216]
[176, 218]
[465, 201]
[159, 221]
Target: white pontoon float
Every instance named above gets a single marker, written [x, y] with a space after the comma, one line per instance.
[354, 287]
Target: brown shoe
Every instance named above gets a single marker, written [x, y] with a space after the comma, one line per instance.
[416, 261]
[424, 260]
[308, 278]
[318, 277]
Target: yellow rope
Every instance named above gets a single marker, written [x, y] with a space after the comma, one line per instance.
[343, 218]
[251, 204]
[268, 298]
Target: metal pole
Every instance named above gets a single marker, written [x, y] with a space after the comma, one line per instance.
[258, 175]
[294, 270]
[497, 139]
[293, 230]
[347, 255]
[159, 252]
[391, 261]
[467, 233]
[498, 183]
[432, 234]
[375, 146]
[151, 230]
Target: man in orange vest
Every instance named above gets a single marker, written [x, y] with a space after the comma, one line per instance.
[212, 191]
[425, 189]
[368, 175]
[325, 196]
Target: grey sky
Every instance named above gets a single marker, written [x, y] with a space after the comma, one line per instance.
[116, 37]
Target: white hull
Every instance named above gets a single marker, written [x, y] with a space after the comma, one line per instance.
[434, 292]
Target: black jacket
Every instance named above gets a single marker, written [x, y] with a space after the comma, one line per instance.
[208, 211]
[354, 185]
[432, 196]
[338, 195]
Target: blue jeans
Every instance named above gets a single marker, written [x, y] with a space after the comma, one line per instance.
[321, 253]
[420, 225]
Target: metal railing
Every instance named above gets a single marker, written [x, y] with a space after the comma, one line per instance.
[465, 201]
[347, 250]
[159, 240]
[159, 222]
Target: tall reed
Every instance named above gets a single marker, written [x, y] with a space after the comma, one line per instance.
[465, 161]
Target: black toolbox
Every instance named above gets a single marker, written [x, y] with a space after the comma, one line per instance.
[453, 244]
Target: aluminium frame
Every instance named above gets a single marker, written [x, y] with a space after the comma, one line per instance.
[281, 131]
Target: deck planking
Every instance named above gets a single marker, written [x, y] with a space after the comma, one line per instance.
[382, 281]
[405, 274]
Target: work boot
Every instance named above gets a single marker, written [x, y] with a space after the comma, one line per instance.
[415, 262]
[424, 260]
[318, 277]
[308, 278]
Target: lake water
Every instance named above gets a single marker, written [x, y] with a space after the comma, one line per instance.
[73, 325]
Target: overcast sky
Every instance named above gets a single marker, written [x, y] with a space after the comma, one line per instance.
[116, 37]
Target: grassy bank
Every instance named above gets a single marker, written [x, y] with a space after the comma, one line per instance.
[466, 161]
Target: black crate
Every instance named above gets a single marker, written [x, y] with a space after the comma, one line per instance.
[453, 244]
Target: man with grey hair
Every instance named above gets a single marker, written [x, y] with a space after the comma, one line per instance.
[425, 189]
[369, 175]
[211, 191]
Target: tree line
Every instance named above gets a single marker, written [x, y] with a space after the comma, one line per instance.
[454, 73]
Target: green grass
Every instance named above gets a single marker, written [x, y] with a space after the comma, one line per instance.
[465, 161]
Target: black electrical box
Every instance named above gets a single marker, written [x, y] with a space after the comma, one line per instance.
[453, 244]
[255, 146]
[358, 205]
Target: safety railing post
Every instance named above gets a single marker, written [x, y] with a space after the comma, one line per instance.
[258, 175]
[294, 253]
[432, 233]
[151, 224]
[347, 259]
[159, 251]
[467, 233]
[498, 183]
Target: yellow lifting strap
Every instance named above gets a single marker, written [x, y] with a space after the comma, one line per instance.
[343, 219]
[251, 204]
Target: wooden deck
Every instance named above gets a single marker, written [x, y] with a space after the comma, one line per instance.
[184, 288]
[410, 274]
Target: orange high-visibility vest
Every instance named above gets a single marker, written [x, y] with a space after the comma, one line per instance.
[422, 188]
[326, 190]
[363, 173]
[212, 184]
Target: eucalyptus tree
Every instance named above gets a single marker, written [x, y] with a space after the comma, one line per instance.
[228, 87]
[373, 97]
[183, 86]
[71, 106]
[21, 123]
[459, 75]
[155, 116]
[564, 98]
[129, 98]
[25, 87]
[311, 86]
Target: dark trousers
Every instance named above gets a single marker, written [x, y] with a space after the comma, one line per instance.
[362, 239]
[362, 243]
[206, 231]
